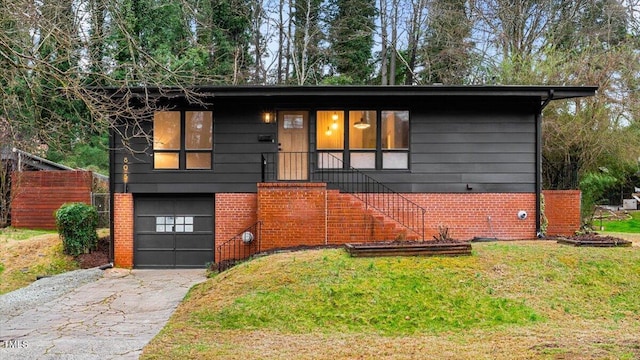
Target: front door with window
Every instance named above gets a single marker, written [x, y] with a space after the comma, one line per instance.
[293, 145]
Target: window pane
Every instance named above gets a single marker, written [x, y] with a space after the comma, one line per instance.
[363, 160]
[188, 220]
[330, 129]
[198, 130]
[166, 130]
[159, 228]
[188, 228]
[179, 219]
[395, 160]
[179, 228]
[199, 160]
[362, 129]
[293, 121]
[395, 129]
[166, 160]
[330, 160]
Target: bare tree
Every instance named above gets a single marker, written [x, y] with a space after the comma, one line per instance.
[384, 38]
[415, 33]
[305, 53]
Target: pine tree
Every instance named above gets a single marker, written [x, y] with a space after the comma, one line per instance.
[352, 29]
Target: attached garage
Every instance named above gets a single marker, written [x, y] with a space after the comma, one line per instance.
[173, 232]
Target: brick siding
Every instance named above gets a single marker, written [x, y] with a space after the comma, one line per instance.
[294, 214]
[38, 194]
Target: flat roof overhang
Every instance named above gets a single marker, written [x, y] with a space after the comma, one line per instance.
[544, 93]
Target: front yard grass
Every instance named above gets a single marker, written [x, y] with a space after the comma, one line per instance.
[26, 254]
[533, 299]
[630, 225]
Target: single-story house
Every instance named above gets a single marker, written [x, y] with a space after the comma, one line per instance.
[218, 169]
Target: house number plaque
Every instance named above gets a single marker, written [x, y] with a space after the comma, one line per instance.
[125, 170]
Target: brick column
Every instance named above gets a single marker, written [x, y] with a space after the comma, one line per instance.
[123, 230]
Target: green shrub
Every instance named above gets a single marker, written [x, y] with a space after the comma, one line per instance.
[77, 224]
[593, 187]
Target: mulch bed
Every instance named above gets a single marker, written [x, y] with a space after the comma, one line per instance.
[97, 257]
[410, 248]
[594, 240]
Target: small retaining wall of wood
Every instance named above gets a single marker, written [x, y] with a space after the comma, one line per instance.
[38, 194]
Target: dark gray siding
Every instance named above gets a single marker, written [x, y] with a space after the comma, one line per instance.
[487, 144]
[490, 151]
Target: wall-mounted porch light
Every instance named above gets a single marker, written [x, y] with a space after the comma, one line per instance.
[268, 117]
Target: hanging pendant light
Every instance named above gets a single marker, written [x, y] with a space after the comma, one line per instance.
[361, 124]
[334, 126]
[328, 132]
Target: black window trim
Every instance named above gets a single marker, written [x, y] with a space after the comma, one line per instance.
[379, 151]
[182, 152]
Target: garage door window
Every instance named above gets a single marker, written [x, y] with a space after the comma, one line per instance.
[169, 224]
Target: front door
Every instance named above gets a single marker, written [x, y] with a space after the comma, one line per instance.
[293, 145]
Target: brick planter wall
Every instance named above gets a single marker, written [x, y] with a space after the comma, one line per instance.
[123, 230]
[562, 209]
[38, 194]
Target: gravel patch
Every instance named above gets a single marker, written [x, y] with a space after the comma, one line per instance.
[44, 290]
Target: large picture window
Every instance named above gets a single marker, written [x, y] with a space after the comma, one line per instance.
[374, 139]
[172, 150]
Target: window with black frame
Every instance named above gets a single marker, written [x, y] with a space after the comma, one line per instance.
[374, 139]
[173, 150]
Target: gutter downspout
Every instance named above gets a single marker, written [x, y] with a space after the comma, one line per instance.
[544, 104]
[112, 188]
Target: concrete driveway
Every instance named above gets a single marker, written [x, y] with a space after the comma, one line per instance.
[111, 318]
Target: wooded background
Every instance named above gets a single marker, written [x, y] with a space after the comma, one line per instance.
[52, 51]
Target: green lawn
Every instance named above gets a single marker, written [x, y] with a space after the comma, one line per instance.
[533, 299]
[631, 225]
[13, 234]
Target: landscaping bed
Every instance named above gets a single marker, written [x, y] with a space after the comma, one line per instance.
[97, 257]
[410, 248]
[594, 240]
